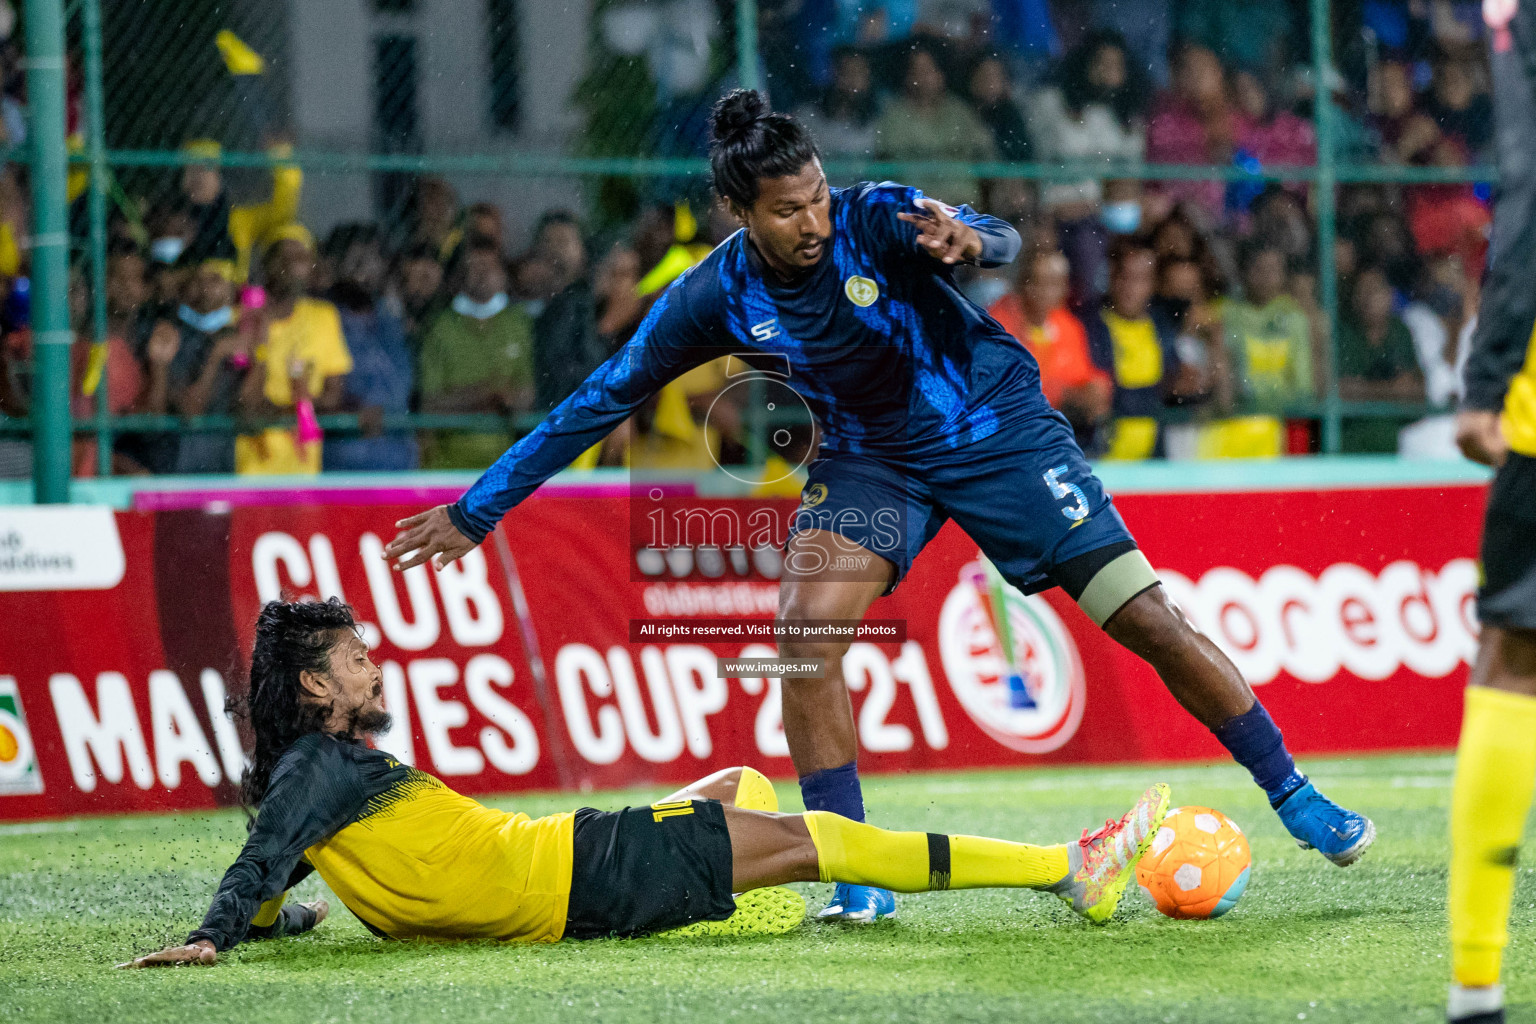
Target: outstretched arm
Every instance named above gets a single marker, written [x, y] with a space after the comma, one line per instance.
[292, 919]
[667, 343]
[311, 795]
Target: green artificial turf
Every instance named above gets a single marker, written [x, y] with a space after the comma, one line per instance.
[1308, 941]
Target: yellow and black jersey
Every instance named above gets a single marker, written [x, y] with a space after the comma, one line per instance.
[1501, 376]
[406, 854]
[1501, 369]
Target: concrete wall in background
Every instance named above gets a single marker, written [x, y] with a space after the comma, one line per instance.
[331, 72]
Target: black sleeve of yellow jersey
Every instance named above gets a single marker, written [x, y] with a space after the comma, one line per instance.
[1508, 313]
[315, 790]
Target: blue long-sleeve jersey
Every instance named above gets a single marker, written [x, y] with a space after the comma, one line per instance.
[889, 355]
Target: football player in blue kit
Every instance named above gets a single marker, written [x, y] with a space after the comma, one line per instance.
[928, 411]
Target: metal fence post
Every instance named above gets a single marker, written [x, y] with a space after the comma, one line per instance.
[51, 335]
[746, 44]
[96, 199]
[1327, 209]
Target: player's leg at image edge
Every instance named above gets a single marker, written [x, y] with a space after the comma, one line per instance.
[1490, 800]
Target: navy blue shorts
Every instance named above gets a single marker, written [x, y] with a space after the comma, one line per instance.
[1025, 495]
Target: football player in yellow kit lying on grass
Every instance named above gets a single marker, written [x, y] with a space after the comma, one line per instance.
[413, 859]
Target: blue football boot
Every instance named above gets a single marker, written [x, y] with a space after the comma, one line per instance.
[859, 904]
[1318, 823]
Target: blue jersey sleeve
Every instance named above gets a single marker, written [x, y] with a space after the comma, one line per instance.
[1000, 243]
[668, 342]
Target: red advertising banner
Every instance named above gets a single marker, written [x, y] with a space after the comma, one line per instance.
[526, 665]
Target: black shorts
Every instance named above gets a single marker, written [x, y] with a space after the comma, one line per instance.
[1507, 597]
[648, 869]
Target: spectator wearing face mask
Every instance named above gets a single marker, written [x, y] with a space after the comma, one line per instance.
[477, 357]
[383, 374]
[1087, 240]
[211, 361]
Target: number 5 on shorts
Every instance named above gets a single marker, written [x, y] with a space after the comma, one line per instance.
[1065, 490]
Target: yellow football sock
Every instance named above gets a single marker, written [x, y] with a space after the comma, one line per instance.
[851, 851]
[267, 913]
[754, 792]
[1495, 774]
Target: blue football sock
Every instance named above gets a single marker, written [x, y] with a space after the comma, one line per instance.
[834, 789]
[1255, 743]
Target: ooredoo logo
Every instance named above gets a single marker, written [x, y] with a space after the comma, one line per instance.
[1347, 619]
[18, 758]
[1011, 662]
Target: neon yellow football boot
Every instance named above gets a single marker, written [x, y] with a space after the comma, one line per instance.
[771, 911]
[1100, 864]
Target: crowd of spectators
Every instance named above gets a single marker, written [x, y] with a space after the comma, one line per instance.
[439, 318]
[1182, 317]
[1170, 318]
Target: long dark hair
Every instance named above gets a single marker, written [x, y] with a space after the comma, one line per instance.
[1078, 91]
[291, 637]
[748, 141]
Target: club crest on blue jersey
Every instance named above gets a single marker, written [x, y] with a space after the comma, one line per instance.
[815, 495]
[861, 291]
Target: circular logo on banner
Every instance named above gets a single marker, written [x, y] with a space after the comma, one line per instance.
[861, 291]
[1033, 704]
[15, 747]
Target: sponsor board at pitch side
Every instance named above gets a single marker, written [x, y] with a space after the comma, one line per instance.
[59, 547]
[1347, 619]
[124, 721]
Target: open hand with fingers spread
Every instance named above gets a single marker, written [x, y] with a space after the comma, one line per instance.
[941, 235]
[425, 535]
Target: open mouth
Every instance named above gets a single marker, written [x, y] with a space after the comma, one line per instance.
[811, 249]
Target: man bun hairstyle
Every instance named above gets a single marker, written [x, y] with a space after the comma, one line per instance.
[748, 141]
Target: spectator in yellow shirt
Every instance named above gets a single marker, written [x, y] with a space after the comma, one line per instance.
[303, 354]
